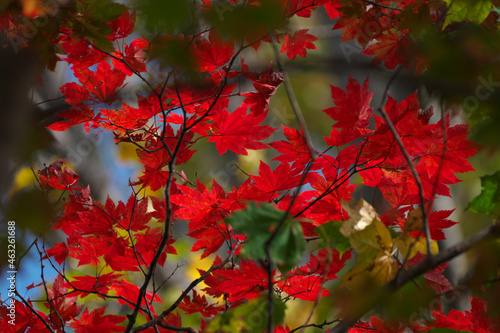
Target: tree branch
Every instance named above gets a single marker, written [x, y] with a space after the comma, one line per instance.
[406, 276]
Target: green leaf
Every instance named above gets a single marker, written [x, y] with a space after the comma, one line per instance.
[249, 318]
[165, 16]
[249, 22]
[331, 237]
[488, 202]
[92, 21]
[258, 222]
[475, 11]
[100, 10]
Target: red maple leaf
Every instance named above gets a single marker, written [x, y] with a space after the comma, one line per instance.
[153, 175]
[331, 8]
[80, 54]
[238, 131]
[210, 238]
[306, 288]
[97, 322]
[88, 252]
[59, 251]
[266, 83]
[199, 304]
[103, 84]
[122, 26]
[130, 292]
[62, 306]
[298, 44]
[199, 206]
[352, 110]
[78, 114]
[391, 48]
[58, 177]
[295, 150]
[213, 53]
[282, 178]
[475, 320]
[84, 285]
[147, 245]
[249, 281]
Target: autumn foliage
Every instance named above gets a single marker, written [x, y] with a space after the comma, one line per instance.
[286, 232]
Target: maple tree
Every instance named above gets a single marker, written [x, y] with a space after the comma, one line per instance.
[292, 232]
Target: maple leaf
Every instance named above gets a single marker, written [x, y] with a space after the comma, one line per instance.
[361, 24]
[122, 26]
[329, 259]
[59, 251]
[130, 292]
[298, 44]
[331, 8]
[306, 288]
[301, 8]
[65, 305]
[133, 55]
[352, 108]
[475, 320]
[266, 83]
[97, 322]
[295, 150]
[199, 304]
[78, 114]
[147, 245]
[86, 284]
[200, 206]
[103, 83]
[58, 177]
[118, 256]
[210, 238]
[329, 207]
[392, 49]
[80, 54]
[154, 176]
[25, 321]
[247, 282]
[238, 131]
[213, 53]
[282, 178]
[88, 252]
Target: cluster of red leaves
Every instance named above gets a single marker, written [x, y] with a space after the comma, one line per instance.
[122, 238]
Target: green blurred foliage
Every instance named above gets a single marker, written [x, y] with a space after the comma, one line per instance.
[248, 21]
[488, 202]
[259, 222]
[331, 237]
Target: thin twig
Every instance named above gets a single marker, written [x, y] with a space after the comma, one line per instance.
[292, 98]
[408, 159]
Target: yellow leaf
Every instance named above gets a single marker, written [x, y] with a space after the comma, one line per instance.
[410, 246]
[24, 177]
[371, 242]
[365, 276]
[360, 216]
